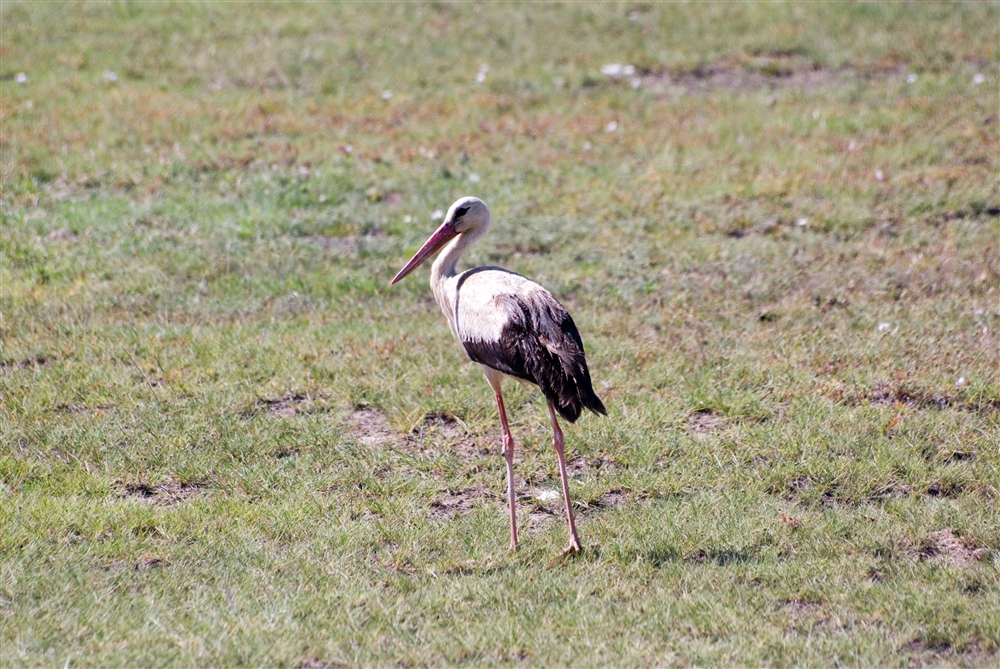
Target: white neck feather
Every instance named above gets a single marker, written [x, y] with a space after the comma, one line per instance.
[444, 264]
[443, 273]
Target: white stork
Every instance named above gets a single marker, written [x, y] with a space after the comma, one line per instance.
[512, 327]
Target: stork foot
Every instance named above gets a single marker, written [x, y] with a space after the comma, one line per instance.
[570, 551]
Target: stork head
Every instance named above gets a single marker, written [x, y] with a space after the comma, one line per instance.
[468, 215]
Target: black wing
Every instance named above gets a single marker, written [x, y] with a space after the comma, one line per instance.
[540, 343]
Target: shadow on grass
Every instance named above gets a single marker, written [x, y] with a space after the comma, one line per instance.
[472, 569]
[662, 556]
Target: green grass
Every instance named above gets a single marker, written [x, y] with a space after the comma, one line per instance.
[225, 440]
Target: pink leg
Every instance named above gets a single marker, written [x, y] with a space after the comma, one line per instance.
[557, 442]
[508, 454]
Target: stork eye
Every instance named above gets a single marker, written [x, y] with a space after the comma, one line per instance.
[461, 211]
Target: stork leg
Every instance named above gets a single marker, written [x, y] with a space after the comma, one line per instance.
[508, 455]
[557, 442]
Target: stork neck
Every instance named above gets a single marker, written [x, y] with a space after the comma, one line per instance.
[444, 265]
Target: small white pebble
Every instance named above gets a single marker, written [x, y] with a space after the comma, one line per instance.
[587, 146]
[960, 382]
[387, 94]
[634, 16]
[110, 76]
[978, 79]
[348, 149]
[911, 78]
[611, 126]
[437, 215]
[481, 75]
[545, 495]
[617, 70]
[851, 145]
[978, 312]
[802, 222]
[21, 78]
[636, 82]
[474, 178]
[882, 327]
[815, 114]
[879, 176]
[303, 171]
[407, 219]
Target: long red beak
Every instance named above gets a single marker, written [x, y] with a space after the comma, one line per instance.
[441, 236]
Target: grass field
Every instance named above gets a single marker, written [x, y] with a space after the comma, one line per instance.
[225, 440]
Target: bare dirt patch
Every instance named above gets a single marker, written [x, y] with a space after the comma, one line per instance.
[940, 488]
[453, 503]
[540, 519]
[797, 487]
[809, 616]
[945, 547]
[611, 499]
[705, 422]
[435, 434]
[581, 466]
[286, 406]
[440, 424]
[543, 516]
[438, 433]
[771, 71]
[895, 393]
[886, 393]
[370, 427]
[746, 75]
[893, 490]
[147, 562]
[164, 494]
[808, 492]
[925, 652]
[38, 360]
[799, 607]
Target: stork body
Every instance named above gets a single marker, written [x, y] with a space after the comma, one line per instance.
[512, 327]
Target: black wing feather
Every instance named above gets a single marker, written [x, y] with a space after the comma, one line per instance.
[541, 344]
